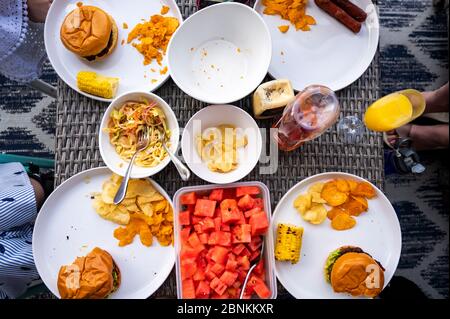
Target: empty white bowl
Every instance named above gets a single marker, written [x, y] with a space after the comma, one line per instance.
[221, 53]
[213, 116]
[109, 154]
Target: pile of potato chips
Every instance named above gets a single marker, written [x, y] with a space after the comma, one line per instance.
[144, 212]
[347, 198]
[290, 10]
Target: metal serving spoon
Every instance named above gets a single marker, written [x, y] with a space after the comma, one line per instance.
[184, 172]
[261, 255]
[142, 143]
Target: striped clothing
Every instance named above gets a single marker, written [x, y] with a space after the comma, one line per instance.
[17, 213]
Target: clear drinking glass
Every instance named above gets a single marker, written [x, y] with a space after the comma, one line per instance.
[313, 111]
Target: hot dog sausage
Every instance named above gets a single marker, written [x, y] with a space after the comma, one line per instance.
[356, 12]
[339, 14]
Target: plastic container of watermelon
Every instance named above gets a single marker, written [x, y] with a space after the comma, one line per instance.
[205, 190]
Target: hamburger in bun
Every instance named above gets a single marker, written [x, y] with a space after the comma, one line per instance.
[94, 276]
[89, 32]
[350, 270]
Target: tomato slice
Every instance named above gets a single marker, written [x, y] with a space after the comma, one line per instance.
[188, 198]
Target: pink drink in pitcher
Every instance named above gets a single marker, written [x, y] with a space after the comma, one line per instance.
[313, 111]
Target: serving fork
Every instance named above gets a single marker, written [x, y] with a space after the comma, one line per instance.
[142, 143]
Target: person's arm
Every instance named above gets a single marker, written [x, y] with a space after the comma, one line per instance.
[437, 101]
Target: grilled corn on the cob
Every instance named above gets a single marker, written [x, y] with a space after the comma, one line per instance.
[96, 84]
[289, 243]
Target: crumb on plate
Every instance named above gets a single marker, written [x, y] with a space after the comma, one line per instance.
[164, 10]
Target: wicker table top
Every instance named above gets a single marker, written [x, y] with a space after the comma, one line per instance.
[78, 120]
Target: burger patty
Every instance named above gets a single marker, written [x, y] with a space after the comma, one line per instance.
[104, 51]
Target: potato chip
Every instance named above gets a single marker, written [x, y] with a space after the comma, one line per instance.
[332, 195]
[342, 185]
[316, 187]
[144, 212]
[362, 200]
[352, 184]
[153, 37]
[303, 203]
[291, 10]
[353, 207]
[128, 201]
[334, 212]
[109, 190]
[343, 221]
[147, 209]
[139, 187]
[132, 208]
[364, 189]
[146, 235]
[317, 198]
[316, 214]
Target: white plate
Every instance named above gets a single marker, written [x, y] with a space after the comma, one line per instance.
[377, 232]
[125, 62]
[329, 54]
[69, 212]
[212, 116]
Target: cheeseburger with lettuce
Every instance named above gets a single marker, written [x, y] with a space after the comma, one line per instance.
[351, 270]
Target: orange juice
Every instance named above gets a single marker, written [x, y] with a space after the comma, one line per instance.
[394, 110]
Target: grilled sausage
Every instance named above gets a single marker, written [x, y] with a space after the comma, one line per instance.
[353, 10]
[339, 14]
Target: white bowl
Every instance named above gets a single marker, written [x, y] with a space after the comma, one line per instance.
[109, 154]
[221, 53]
[213, 116]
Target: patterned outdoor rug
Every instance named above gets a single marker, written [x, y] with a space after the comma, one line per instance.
[413, 55]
